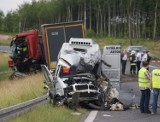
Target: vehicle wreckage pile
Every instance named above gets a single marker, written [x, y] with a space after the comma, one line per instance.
[79, 79]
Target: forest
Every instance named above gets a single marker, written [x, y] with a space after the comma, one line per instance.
[112, 18]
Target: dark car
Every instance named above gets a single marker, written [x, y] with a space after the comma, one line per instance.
[135, 48]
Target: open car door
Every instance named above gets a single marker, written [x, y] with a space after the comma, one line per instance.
[47, 74]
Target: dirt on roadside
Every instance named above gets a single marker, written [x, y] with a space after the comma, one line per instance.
[4, 37]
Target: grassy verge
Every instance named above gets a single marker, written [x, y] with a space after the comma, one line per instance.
[20, 90]
[5, 38]
[5, 42]
[112, 41]
[4, 62]
[5, 71]
[124, 42]
[151, 45]
[48, 113]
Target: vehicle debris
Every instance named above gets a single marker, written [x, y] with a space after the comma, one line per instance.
[79, 79]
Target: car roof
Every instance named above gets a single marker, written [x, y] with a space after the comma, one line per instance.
[138, 47]
[135, 46]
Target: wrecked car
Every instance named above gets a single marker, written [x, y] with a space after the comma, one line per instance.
[79, 79]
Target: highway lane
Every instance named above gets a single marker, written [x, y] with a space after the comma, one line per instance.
[5, 49]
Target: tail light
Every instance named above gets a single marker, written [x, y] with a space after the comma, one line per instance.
[10, 63]
[66, 70]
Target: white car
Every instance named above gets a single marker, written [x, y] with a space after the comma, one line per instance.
[72, 75]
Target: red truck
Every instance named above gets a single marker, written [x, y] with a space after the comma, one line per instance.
[26, 53]
[29, 50]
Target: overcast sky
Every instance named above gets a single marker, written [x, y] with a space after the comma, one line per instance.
[7, 5]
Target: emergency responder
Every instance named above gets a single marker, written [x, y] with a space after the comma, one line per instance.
[145, 56]
[24, 50]
[155, 83]
[149, 58]
[138, 58]
[132, 59]
[144, 77]
[124, 61]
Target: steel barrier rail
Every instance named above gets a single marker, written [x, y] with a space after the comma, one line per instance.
[15, 110]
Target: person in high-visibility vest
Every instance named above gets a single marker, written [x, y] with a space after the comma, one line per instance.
[144, 77]
[155, 81]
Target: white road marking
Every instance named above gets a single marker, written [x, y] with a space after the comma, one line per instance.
[107, 115]
[92, 115]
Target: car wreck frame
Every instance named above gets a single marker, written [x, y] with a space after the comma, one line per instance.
[79, 79]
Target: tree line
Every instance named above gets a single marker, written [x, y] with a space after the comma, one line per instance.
[112, 18]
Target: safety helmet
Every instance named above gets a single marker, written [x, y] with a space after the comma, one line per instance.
[133, 52]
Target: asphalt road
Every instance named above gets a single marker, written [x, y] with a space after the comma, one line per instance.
[129, 88]
[5, 49]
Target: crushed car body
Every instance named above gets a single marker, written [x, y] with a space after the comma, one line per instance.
[79, 79]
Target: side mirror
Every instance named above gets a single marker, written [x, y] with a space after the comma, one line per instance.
[47, 74]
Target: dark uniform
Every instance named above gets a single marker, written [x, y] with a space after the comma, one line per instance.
[132, 59]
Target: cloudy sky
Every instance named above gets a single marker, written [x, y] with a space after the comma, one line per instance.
[7, 5]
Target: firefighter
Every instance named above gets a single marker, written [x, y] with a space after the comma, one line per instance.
[144, 77]
[24, 50]
[138, 58]
[155, 81]
[132, 59]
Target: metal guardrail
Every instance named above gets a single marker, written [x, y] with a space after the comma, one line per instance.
[13, 111]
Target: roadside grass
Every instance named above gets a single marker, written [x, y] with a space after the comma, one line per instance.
[124, 42]
[48, 113]
[5, 38]
[5, 42]
[151, 45]
[111, 41]
[5, 75]
[5, 71]
[4, 61]
[19, 90]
